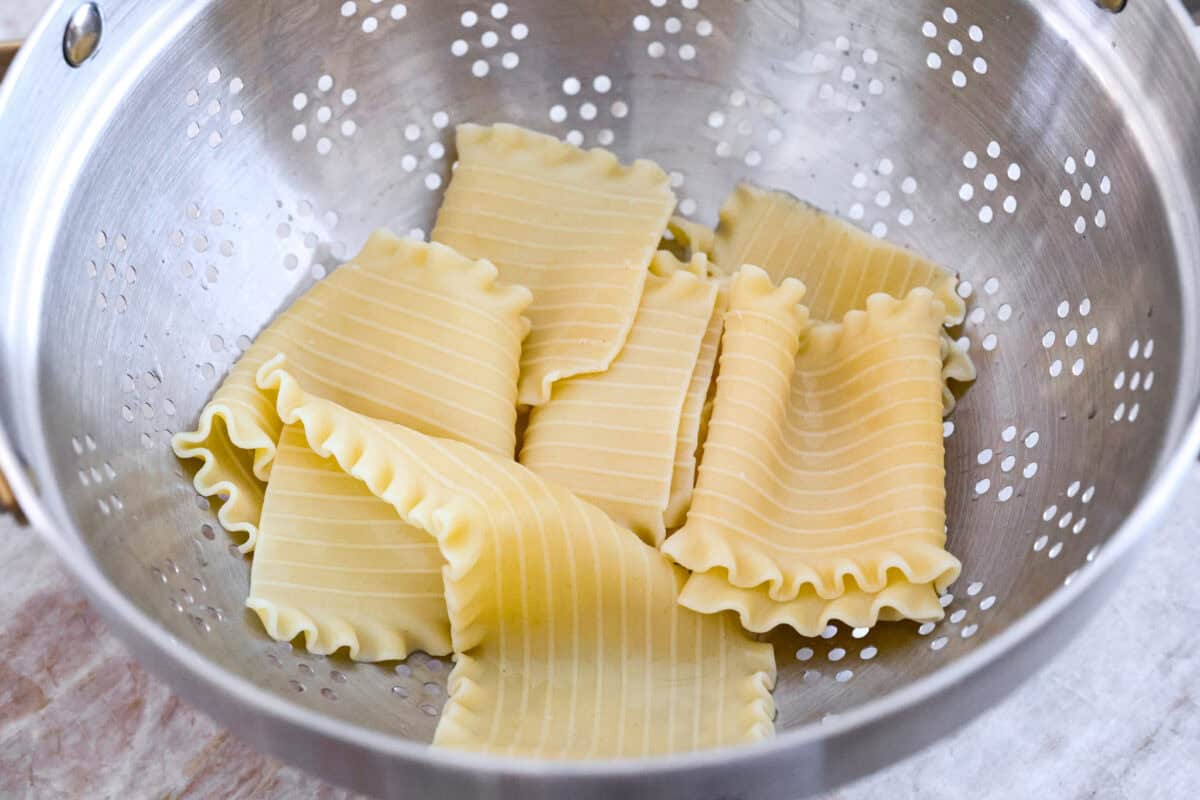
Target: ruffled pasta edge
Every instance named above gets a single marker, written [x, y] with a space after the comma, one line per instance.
[483, 277]
[745, 194]
[808, 614]
[826, 337]
[751, 291]
[330, 633]
[758, 702]
[684, 280]
[550, 151]
[701, 549]
[213, 476]
[956, 366]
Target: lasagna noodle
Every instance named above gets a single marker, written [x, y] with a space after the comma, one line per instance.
[808, 613]
[576, 227]
[612, 437]
[571, 643]
[688, 238]
[407, 332]
[841, 265]
[338, 565]
[956, 366]
[823, 468]
[692, 423]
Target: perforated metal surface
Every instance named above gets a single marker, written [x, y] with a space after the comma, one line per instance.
[220, 157]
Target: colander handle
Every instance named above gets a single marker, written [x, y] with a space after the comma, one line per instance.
[8, 51]
[1191, 6]
[8, 503]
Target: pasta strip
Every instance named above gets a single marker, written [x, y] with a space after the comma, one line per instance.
[569, 439]
[552, 216]
[841, 265]
[693, 422]
[566, 626]
[408, 332]
[809, 613]
[338, 565]
[688, 239]
[789, 411]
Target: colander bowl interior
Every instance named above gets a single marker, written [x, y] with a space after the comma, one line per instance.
[218, 157]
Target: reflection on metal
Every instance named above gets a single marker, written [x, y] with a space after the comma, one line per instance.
[82, 37]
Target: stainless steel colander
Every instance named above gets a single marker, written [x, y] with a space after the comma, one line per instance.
[212, 158]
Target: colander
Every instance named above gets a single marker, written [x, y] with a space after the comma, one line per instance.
[176, 171]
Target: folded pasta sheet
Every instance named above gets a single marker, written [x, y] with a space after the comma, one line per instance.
[408, 332]
[809, 613]
[612, 437]
[692, 426]
[571, 643]
[685, 238]
[957, 366]
[823, 475]
[337, 564]
[577, 227]
[841, 265]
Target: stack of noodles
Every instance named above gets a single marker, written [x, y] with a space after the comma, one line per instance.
[365, 447]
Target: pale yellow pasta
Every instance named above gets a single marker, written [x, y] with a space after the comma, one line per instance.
[823, 467]
[688, 238]
[409, 332]
[576, 227]
[571, 643]
[841, 265]
[692, 423]
[956, 366]
[611, 437]
[808, 613]
[337, 564]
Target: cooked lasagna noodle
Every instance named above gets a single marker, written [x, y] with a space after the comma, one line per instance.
[612, 437]
[687, 238]
[841, 265]
[406, 332]
[338, 565]
[692, 423]
[571, 643]
[576, 227]
[823, 469]
[956, 366]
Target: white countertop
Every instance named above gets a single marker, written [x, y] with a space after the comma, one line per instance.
[1114, 716]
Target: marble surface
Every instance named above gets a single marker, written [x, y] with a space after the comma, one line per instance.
[1114, 716]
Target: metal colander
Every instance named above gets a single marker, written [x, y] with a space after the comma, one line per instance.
[213, 158]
